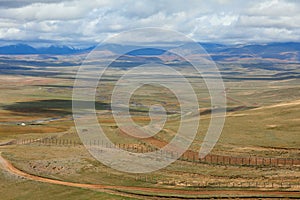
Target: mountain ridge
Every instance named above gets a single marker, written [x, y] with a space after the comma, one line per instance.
[285, 51]
[25, 49]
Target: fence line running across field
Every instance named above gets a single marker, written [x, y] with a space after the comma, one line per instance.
[188, 156]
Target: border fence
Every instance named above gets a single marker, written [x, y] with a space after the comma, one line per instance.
[189, 156]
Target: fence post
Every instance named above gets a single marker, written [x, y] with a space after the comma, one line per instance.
[284, 161]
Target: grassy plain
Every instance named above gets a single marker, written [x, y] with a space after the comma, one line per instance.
[262, 120]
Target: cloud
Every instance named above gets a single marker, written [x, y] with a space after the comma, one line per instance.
[275, 8]
[22, 3]
[70, 21]
[42, 11]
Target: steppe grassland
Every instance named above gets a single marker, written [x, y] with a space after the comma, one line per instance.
[264, 127]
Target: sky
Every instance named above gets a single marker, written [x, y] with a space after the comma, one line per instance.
[87, 22]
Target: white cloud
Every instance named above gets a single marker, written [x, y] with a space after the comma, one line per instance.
[90, 21]
[42, 11]
[275, 8]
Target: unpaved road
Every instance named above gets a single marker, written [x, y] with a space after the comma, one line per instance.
[234, 193]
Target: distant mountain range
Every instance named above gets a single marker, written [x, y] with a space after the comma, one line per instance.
[282, 52]
[285, 51]
[24, 49]
[289, 51]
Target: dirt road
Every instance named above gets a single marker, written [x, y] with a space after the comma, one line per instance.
[6, 165]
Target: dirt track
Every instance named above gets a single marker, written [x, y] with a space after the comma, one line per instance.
[248, 193]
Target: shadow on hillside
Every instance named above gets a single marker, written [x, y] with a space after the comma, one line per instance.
[50, 107]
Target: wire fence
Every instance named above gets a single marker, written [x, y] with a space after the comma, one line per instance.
[189, 156]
